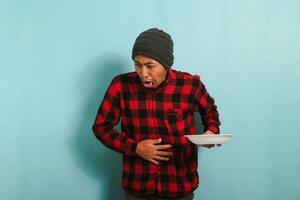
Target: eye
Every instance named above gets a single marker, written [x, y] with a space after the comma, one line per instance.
[150, 66]
[137, 64]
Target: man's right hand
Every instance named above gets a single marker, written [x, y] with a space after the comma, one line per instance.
[151, 150]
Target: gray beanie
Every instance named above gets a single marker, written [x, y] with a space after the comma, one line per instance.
[155, 44]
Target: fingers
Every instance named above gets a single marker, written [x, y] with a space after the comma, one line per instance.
[161, 158]
[158, 141]
[210, 145]
[160, 147]
[164, 146]
[164, 153]
[208, 132]
[155, 141]
[153, 161]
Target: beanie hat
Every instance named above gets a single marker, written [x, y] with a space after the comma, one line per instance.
[155, 44]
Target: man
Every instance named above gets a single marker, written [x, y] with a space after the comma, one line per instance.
[156, 105]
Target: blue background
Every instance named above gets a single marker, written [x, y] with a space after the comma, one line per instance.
[58, 57]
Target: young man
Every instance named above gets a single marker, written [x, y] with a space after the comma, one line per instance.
[156, 105]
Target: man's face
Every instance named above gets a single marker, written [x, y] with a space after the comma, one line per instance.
[150, 71]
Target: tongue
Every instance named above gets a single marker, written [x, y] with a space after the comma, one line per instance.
[149, 84]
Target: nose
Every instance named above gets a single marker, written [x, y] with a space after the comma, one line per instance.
[144, 72]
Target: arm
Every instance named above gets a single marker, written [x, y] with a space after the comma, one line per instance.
[107, 117]
[205, 105]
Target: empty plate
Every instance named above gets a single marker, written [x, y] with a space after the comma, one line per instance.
[209, 139]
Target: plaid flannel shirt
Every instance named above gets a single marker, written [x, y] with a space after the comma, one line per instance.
[165, 112]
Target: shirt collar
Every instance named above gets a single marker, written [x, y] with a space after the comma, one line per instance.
[170, 76]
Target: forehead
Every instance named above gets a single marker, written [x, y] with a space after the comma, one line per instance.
[144, 59]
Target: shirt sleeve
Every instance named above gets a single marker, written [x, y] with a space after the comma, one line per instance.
[108, 116]
[205, 105]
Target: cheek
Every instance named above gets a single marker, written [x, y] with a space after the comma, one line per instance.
[138, 72]
[160, 76]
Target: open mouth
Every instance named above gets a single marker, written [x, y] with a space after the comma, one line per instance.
[148, 84]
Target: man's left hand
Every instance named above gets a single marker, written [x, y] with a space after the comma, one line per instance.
[209, 145]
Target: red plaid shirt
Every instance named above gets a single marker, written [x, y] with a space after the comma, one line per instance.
[165, 112]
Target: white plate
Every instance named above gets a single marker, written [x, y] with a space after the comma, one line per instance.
[209, 139]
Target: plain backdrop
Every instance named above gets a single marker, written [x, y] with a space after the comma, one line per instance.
[58, 57]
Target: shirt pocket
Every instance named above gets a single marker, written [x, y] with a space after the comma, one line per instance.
[176, 121]
[178, 124]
